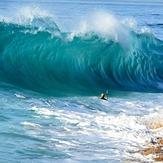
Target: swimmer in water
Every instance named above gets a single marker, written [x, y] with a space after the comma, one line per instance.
[102, 96]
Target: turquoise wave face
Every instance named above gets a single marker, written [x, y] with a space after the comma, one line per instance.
[51, 61]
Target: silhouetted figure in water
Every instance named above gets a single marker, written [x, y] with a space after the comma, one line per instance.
[102, 96]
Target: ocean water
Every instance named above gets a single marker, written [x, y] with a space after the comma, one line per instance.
[57, 57]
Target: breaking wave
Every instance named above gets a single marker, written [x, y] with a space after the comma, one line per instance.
[102, 54]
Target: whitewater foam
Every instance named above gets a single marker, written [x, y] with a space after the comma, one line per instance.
[105, 25]
[43, 112]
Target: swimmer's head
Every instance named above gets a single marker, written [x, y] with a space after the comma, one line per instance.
[102, 95]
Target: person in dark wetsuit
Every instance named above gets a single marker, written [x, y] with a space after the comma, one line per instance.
[102, 96]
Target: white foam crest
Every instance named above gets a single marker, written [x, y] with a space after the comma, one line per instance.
[130, 22]
[146, 30]
[101, 23]
[43, 111]
[5, 19]
[106, 24]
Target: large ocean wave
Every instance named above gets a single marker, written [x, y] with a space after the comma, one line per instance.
[103, 55]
